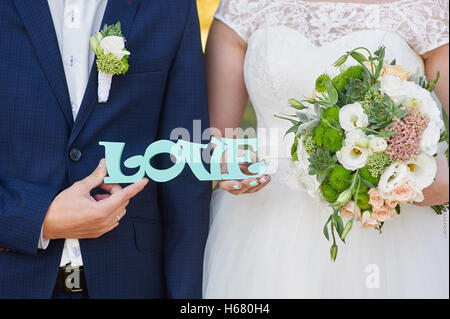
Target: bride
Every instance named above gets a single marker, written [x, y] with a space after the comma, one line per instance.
[267, 241]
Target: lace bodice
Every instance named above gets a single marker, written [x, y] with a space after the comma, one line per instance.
[291, 42]
[422, 23]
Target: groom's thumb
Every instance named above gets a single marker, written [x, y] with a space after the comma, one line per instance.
[96, 178]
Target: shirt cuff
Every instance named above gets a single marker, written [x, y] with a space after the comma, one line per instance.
[43, 243]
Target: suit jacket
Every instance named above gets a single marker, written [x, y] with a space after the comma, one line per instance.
[157, 250]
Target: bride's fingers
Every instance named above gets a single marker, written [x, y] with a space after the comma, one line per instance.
[245, 186]
[263, 182]
[231, 186]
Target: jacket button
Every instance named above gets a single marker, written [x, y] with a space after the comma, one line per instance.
[75, 155]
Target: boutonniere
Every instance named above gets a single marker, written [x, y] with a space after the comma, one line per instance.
[112, 57]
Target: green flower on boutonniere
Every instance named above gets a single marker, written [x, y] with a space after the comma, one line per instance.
[112, 57]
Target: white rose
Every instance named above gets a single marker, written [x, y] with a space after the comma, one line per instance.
[430, 138]
[396, 173]
[353, 157]
[378, 144]
[394, 88]
[114, 45]
[353, 136]
[352, 116]
[422, 99]
[423, 170]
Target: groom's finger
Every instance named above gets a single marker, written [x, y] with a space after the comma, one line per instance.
[118, 199]
[95, 179]
[111, 188]
[99, 197]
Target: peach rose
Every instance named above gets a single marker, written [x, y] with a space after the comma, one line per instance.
[395, 70]
[348, 209]
[391, 203]
[403, 192]
[368, 220]
[383, 213]
[375, 198]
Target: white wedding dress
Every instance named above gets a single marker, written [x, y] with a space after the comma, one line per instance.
[270, 244]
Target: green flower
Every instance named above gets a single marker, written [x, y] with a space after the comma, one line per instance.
[333, 139]
[309, 144]
[340, 82]
[321, 83]
[328, 192]
[377, 163]
[365, 174]
[340, 178]
[362, 200]
[109, 64]
[363, 188]
[330, 115]
[318, 135]
[352, 72]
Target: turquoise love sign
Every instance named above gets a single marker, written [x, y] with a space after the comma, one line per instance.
[183, 153]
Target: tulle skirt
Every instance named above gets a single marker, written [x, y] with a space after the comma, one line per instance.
[270, 245]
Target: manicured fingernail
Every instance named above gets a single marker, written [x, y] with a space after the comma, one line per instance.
[253, 183]
[263, 180]
[236, 187]
[102, 163]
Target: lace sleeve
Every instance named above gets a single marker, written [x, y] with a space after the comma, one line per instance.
[238, 15]
[428, 28]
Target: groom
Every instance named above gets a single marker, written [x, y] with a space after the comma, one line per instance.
[56, 240]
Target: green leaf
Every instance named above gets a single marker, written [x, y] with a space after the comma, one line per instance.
[339, 224]
[293, 129]
[394, 62]
[332, 93]
[397, 209]
[369, 184]
[325, 229]
[432, 85]
[440, 209]
[380, 54]
[294, 122]
[294, 148]
[112, 30]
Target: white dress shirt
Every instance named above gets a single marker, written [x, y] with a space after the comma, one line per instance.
[75, 22]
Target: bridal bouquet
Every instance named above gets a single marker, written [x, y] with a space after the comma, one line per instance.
[369, 136]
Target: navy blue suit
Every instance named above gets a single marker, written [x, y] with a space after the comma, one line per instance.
[157, 250]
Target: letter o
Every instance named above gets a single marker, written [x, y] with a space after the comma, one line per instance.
[161, 147]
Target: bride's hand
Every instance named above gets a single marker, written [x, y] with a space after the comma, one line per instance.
[244, 186]
[437, 193]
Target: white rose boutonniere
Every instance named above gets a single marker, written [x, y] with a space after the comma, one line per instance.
[112, 57]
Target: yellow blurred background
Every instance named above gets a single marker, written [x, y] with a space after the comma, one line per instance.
[206, 10]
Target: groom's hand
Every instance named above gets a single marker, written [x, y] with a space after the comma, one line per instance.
[75, 214]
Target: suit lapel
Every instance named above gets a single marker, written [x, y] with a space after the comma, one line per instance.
[116, 10]
[38, 22]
